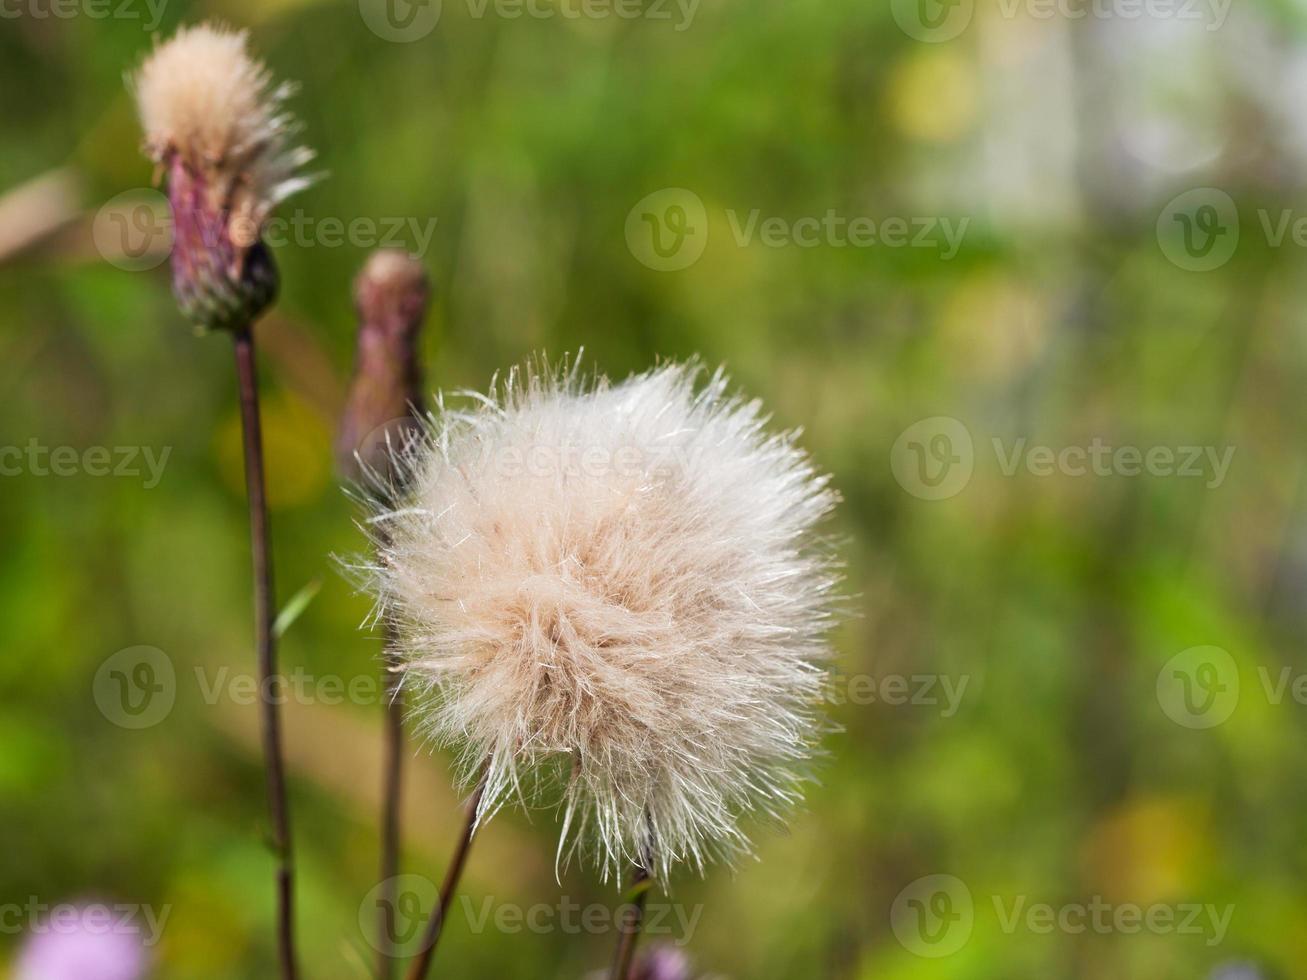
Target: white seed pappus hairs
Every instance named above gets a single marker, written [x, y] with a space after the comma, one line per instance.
[626, 580]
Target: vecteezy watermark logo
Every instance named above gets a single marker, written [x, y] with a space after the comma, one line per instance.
[933, 459]
[1199, 687]
[932, 20]
[402, 21]
[133, 230]
[393, 915]
[933, 916]
[136, 687]
[668, 229]
[1199, 229]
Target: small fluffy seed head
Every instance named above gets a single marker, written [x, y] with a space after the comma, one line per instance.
[624, 578]
[204, 99]
[215, 123]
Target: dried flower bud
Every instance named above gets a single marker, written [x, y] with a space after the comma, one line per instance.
[215, 124]
[379, 421]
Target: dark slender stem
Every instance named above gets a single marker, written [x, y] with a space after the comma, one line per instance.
[629, 927]
[390, 800]
[269, 679]
[455, 871]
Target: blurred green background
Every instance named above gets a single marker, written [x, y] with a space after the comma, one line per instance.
[1085, 301]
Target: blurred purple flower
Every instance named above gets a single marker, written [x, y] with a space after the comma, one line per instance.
[657, 963]
[663, 963]
[82, 943]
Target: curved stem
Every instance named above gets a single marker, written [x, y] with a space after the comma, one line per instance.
[455, 871]
[269, 679]
[629, 927]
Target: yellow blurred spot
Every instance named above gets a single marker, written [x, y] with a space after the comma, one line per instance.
[203, 936]
[296, 447]
[932, 96]
[993, 325]
[1146, 851]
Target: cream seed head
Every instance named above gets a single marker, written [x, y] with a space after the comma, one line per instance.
[203, 98]
[215, 124]
[625, 579]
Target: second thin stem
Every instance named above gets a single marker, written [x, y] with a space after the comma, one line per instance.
[629, 928]
[391, 798]
[455, 871]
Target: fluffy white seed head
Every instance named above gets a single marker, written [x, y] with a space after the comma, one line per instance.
[203, 98]
[623, 579]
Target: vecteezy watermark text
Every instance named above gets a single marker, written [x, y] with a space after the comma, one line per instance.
[304, 230]
[91, 9]
[1101, 917]
[680, 12]
[37, 459]
[1101, 459]
[574, 918]
[394, 913]
[406, 21]
[935, 21]
[134, 231]
[35, 917]
[934, 459]
[668, 230]
[296, 686]
[942, 692]
[935, 915]
[835, 230]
